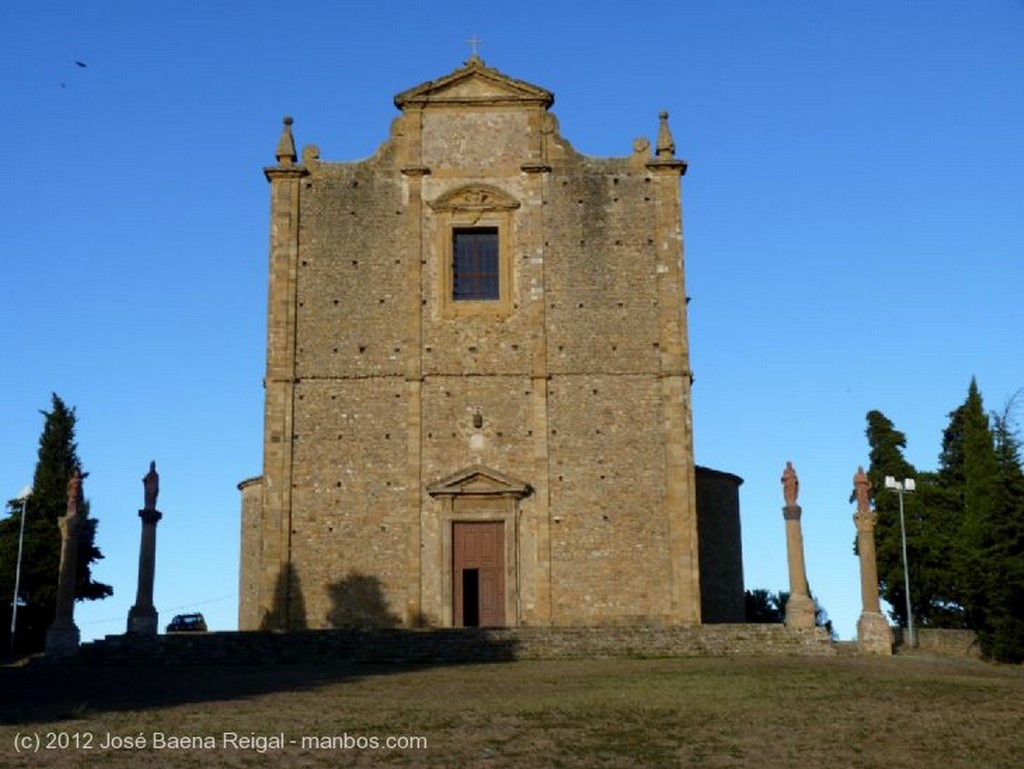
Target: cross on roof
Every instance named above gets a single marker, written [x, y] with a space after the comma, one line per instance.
[474, 41]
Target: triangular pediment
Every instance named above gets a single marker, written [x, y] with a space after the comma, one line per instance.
[474, 84]
[479, 480]
[475, 197]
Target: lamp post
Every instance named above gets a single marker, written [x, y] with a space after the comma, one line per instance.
[23, 498]
[905, 486]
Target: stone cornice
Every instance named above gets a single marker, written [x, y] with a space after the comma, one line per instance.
[273, 173]
[667, 164]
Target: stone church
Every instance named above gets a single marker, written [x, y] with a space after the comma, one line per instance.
[478, 382]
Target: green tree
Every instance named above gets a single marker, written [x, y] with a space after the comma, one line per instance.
[57, 461]
[968, 482]
[981, 475]
[931, 534]
[965, 527]
[763, 606]
[1003, 638]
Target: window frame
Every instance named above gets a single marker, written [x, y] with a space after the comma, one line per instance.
[467, 208]
[481, 268]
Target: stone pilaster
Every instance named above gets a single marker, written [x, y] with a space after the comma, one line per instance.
[142, 617]
[681, 502]
[279, 383]
[537, 589]
[874, 636]
[414, 291]
[800, 607]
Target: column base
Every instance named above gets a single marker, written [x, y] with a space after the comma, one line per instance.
[62, 639]
[800, 611]
[143, 620]
[874, 636]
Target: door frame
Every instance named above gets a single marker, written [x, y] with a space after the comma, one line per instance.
[480, 494]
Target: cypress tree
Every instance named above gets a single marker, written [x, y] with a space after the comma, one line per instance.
[1002, 549]
[968, 474]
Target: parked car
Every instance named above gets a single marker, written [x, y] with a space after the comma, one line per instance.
[187, 623]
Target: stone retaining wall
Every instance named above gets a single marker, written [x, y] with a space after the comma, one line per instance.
[942, 642]
[455, 645]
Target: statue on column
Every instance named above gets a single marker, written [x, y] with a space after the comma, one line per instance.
[142, 618]
[790, 485]
[74, 493]
[151, 487]
[862, 490]
[799, 607]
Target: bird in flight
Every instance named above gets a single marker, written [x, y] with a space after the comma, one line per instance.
[81, 63]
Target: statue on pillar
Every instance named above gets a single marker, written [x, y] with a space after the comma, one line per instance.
[74, 493]
[143, 617]
[790, 485]
[862, 490]
[151, 487]
[799, 607]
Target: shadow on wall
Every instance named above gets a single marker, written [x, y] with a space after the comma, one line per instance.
[289, 609]
[358, 602]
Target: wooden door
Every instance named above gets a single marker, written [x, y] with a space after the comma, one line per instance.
[478, 574]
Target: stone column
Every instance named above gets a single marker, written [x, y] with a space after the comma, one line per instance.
[62, 637]
[874, 636]
[142, 618]
[799, 607]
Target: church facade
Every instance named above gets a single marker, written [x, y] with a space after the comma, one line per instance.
[477, 393]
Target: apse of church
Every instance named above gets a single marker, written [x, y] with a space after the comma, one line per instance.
[478, 383]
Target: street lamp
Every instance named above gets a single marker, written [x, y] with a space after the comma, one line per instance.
[23, 498]
[905, 486]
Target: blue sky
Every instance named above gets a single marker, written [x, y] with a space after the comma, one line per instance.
[853, 214]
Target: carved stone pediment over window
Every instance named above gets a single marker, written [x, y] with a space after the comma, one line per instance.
[471, 207]
[480, 481]
[476, 197]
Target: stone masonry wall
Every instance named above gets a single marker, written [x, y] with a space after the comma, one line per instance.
[575, 382]
[251, 536]
[457, 645]
[721, 556]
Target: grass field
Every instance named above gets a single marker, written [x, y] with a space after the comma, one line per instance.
[905, 712]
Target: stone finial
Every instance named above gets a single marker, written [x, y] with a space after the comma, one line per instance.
[285, 153]
[666, 146]
[790, 485]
